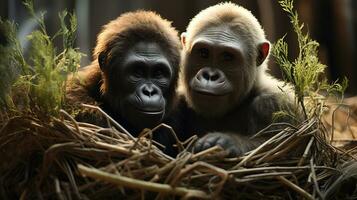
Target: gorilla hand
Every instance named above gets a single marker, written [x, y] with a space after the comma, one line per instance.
[227, 141]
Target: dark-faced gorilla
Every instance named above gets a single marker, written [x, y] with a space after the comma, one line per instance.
[229, 95]
[134, 73]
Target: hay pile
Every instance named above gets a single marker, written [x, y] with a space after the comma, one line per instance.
[60, 158]
[48, 157]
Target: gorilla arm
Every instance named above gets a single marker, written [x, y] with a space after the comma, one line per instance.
[256, 116]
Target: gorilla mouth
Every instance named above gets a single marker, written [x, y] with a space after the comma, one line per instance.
[206, 92]
[144, 108]
[149, 111]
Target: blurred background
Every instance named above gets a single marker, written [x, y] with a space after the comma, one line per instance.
[333, 23]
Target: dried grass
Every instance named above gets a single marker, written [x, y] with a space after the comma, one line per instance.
[64, 159]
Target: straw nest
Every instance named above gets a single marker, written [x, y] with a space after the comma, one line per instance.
[60, 158]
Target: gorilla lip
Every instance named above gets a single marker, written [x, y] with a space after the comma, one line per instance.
[208, 93]
[150, 112]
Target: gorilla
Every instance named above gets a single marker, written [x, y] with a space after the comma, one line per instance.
[133, 76]
[227, 92]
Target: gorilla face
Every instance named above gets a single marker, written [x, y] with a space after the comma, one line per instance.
[141, 80]
[215, 71]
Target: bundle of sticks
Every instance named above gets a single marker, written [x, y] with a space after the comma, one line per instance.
[65, 159]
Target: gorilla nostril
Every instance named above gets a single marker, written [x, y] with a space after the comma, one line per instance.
[206, 75]
[215, 77]
[146, 93]
[154, 92]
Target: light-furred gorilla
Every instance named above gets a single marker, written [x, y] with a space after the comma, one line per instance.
[133, 76]
[229, 95]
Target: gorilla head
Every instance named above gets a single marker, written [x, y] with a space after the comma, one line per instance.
[224, 48]
[134, 72]
[138, 54]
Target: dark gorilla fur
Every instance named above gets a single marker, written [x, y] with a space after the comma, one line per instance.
[99, 85]
[228, 94]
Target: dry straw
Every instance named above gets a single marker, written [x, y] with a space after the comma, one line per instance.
[65, 159]
[55, 157]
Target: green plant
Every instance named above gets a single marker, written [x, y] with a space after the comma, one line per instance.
[10, 63]
[305, 72]
[39, 82]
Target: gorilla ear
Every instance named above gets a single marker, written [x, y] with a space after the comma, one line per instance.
[263, 52]
[102, 57]
[183, 39]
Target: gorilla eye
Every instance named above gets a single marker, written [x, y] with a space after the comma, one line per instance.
[138, 73]
[228, 56]
[159, 73]
[203, 52]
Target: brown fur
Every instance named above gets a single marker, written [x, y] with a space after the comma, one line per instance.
[91, 85]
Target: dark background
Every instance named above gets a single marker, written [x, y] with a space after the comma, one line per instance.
[333, 23]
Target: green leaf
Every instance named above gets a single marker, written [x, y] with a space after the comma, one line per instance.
[305, 73]
[39, 82]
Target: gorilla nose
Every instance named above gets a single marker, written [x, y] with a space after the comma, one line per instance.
[149, 98]
[149, 90]
[209, 74]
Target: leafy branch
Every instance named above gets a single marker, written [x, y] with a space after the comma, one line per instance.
[305, 72]
[11, 59]
[40, 82]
